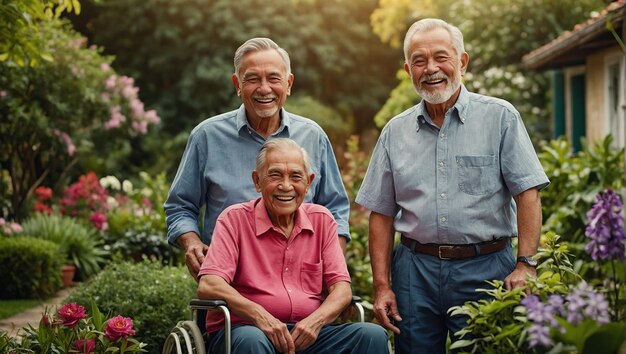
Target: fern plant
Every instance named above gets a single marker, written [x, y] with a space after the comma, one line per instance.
[79, 243]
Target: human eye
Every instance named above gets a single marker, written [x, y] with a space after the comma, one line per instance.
[275, 79]
[418, 62]
[251, 79]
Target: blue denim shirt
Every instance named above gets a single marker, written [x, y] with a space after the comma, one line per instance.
[216, 171]
[453, 185]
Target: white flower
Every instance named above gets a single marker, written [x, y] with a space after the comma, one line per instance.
[110, 182]
[127, 186]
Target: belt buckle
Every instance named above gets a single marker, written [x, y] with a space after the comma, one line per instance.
[439, 248]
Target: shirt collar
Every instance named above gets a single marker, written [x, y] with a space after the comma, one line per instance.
[460, 106]
[263, 223]
[242, 120]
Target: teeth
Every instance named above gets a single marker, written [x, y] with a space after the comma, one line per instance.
[284, 199]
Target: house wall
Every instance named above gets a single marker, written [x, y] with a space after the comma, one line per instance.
[596, 88]
[594, 92]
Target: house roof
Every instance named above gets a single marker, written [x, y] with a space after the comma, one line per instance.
[572, 47]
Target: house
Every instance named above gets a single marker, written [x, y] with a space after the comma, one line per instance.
[589, 77]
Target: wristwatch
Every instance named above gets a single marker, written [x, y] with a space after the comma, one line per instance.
[525, 259]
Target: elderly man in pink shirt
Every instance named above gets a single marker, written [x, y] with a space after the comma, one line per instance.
[279, 266]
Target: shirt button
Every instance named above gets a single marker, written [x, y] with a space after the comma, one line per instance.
[441, 163]
[443, 219]
[443, 135]
[287, 269]
[289, 290]
[442, 195]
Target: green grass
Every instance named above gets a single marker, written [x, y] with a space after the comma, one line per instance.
[9, 308]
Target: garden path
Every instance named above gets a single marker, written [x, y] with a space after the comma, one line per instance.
[32, 316]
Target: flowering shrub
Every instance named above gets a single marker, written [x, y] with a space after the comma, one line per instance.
[72, 331]
[571, 319]
[56, 114]
[9, 227]
[85, 199]
[136, 218]
[606, 227]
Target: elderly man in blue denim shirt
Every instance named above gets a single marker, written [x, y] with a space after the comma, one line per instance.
[457, 177]
[221, 151]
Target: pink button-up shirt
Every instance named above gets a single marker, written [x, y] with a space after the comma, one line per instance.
[285, 276]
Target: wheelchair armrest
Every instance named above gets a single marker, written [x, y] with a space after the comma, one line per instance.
[356, 299]
[206, 304]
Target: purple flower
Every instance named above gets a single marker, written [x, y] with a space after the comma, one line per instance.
[606, 227]
[585, 302]
[539, 335]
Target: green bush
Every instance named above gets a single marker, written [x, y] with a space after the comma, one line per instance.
[137, 222]
[156, 297]
[30, 268]
[79, 243]
[575, 179]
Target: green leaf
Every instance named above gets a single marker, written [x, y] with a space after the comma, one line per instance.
[605, 340]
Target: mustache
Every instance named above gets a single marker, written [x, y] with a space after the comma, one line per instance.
[433, 77]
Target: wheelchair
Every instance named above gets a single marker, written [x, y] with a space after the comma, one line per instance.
[187, 337]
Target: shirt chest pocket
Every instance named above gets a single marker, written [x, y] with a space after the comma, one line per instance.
[311, 278]
[478, 174]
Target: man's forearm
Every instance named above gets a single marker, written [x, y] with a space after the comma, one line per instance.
[528, 222]
[380, 247]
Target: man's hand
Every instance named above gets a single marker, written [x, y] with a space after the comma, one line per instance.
[518, 278]
[277, 333]
[195, 250]
[386, 309]
[305, 333]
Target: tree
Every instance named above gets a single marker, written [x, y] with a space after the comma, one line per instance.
[497, 34]
[19, 21]
[56, 112]
[181, 51]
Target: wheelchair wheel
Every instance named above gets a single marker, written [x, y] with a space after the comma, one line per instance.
[185, 338]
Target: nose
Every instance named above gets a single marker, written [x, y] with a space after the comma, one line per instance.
[285, 185]
[431, 66]
[264, 87]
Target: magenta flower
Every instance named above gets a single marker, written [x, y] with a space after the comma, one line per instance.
[119, 327]
[85, 346]
[606, 227]
[70, 314]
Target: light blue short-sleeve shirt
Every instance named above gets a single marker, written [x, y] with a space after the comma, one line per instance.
[216, 171]
[454, 184]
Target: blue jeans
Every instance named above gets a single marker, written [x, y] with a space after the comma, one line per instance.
[426, 287]
[355, 338]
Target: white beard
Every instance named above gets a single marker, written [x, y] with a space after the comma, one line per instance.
[452, 85]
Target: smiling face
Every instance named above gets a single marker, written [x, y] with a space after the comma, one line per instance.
[434, 66]
[283, 183]
[263, 84]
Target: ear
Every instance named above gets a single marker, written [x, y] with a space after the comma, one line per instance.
[289, 84]
[311, 178]
[464, 62]
[235, 81]
[256, 180]
[407, 69]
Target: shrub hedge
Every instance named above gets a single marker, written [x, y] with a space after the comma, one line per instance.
[155, 296]
[31, 268]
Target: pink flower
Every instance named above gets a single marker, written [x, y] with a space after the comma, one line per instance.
[98, 220]
[85, 346]
[119, 327]
[70, 314]
[45, 321]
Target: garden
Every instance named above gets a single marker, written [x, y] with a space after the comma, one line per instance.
[90, 141]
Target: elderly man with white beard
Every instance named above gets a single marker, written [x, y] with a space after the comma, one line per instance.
[457, 177]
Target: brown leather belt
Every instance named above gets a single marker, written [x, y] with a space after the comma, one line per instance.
[455, 251]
